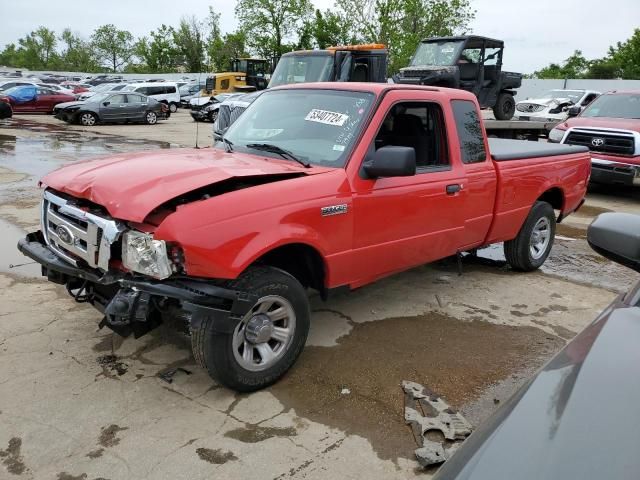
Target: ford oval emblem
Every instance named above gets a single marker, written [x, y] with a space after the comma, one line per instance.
[597, 142]
[65, 234]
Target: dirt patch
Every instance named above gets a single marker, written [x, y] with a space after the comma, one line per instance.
[95, 453]
[216, 457]
[558, 329]
[112, 366]
[108, 435]
[456, 359]
[570, 231]
[11, 457]
[591, 211]
[255, 433]
[68, 476]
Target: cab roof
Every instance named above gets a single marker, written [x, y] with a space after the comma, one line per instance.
[472, 40]
[377, 89]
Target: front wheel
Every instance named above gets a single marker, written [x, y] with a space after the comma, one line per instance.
[531, 247]
[88, 119]
[173, 108]
[505, 107]
[268, 339]
[213, 116]
[151, 118]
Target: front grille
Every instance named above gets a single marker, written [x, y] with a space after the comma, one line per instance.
[235, 113]
[603, 141]
[529, 107]
[74, 233]
[224, 116]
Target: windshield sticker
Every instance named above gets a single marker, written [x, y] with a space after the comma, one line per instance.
[338, 148]
[326, 117]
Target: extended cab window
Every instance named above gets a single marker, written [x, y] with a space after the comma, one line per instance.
[419, 125]
[469, 131]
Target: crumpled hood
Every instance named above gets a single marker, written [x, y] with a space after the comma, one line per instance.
[546, 101]
[130, 186]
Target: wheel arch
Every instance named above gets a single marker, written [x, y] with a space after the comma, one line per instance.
[554, 196]
[301, 260]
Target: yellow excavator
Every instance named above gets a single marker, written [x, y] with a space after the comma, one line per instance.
[246, 75]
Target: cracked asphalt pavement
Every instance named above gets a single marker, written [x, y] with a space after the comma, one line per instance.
[77, 402]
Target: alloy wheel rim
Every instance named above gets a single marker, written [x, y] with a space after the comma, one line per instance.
[151, 117]
[540, 238]
[88, 119]
[265, 334]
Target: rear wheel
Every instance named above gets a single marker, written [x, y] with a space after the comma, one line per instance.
[505, 107]
[529, 250]
[266, 342]
[173, 108]
[151, 118]
[88, 119]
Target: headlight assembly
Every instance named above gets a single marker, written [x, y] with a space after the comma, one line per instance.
[142, 254]
[556, 135]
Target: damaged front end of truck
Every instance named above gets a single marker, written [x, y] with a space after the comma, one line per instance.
[79, 243]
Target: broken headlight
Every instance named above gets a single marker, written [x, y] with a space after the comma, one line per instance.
[142, 254]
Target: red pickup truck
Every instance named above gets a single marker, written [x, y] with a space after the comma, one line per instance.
[610, 128]
[318, 186]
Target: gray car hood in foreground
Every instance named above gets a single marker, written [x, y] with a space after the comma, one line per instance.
[576, 419]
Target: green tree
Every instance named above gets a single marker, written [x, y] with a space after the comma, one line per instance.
[270, 23]
[401, 24]
[626, 57]
[113, 47]
[189, 40]
[9, 56]
[331, 28]
[157, 53]
[576, 66]
[77, 54]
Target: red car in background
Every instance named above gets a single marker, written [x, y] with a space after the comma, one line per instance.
[76, 87]
[34, 99]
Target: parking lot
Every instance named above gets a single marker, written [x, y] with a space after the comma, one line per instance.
[77, 402]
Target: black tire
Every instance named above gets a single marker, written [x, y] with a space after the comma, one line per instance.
[213, 115]
[519, 252]
[173, 107]
[150, 117]
[505, 107]
[87, 119]
[215, 351]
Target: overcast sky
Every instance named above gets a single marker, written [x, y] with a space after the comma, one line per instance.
[536, 32]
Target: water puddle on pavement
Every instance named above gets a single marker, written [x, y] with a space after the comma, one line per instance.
[9, 254]
[459, 360]
[570, 259]
[39, 155]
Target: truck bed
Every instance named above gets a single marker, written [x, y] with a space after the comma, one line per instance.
[503, 149]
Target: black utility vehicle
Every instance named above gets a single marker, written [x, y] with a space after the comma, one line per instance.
[470, 63]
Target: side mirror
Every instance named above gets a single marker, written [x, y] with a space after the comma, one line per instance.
[392, 161]
[616, 236]
[106, 104]
[574, 111]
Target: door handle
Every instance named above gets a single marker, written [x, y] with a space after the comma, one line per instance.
[453, 188]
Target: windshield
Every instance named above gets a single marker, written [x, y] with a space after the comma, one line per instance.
[317, 126]
[436, 53]
[619, 105]
[12, 90]
[302, 69]
[573, 95]
[99, 97]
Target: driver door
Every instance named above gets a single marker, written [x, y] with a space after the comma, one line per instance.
[115, 108]
[403, 222]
